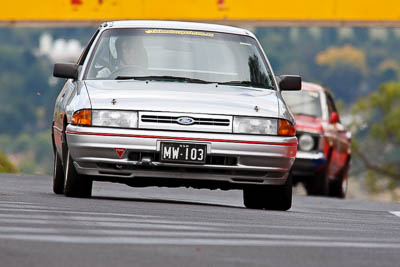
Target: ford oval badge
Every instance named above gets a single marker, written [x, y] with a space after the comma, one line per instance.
[185, 120]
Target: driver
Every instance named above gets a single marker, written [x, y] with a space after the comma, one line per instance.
[130, 52]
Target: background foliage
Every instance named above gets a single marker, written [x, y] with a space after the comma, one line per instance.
[378, 130]
[5, 165]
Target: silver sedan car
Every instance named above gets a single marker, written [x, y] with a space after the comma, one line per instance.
[174, 104]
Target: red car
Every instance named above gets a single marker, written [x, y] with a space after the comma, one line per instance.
[324, 145]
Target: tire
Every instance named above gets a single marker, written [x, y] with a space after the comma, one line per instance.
[270, 197]
[318, 185]
[338, 186]
[76, 185]
[58, 175]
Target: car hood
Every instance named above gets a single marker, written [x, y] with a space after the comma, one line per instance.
[182, 97]
[308, 123]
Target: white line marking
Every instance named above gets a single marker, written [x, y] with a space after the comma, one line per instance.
[79, 212]
[152, 226]
[396, 213]
[34, 221]
[194, 242]
[240, 235]
[95, 219]
[28, 216]
[104, 224]
[17, 202]
[30, 206]
[29, 230]
[228, 222]
[88, 234]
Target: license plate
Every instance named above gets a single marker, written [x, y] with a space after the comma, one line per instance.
[183, 152]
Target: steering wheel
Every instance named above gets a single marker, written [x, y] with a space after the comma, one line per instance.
[130, 70]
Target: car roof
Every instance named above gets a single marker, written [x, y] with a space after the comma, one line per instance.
[312, 87]
[163, 24]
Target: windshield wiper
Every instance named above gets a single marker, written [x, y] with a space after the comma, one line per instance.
[125, 78]
[245, 83]
[163, 78]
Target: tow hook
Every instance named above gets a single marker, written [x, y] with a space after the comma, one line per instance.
[146, 161]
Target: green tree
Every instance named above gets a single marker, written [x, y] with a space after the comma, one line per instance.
[377, 144]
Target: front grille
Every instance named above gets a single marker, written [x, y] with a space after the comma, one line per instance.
[174, 120]
[137, 156]
[221, 160]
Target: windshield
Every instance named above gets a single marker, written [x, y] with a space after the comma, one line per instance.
[179, 56]
[305, 102]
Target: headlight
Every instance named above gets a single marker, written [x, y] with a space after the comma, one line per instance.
[115, 118]
[253, 125]
[108, 118]
[306, 142]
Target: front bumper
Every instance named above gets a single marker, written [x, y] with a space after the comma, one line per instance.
[308, 163]
[241, 159]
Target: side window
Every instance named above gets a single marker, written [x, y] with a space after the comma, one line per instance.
[104, 57]
[82, 58]
[331, 104]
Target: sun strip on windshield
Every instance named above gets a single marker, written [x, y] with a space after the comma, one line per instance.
[179, 32]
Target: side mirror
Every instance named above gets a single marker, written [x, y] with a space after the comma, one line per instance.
[289, 82]
[334, 117]
[66, 70]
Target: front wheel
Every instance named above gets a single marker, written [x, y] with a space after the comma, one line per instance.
[318, 185]
[76, 185]
[338, 186]
[269, 197]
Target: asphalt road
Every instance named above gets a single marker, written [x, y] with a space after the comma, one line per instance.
[124, 226]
